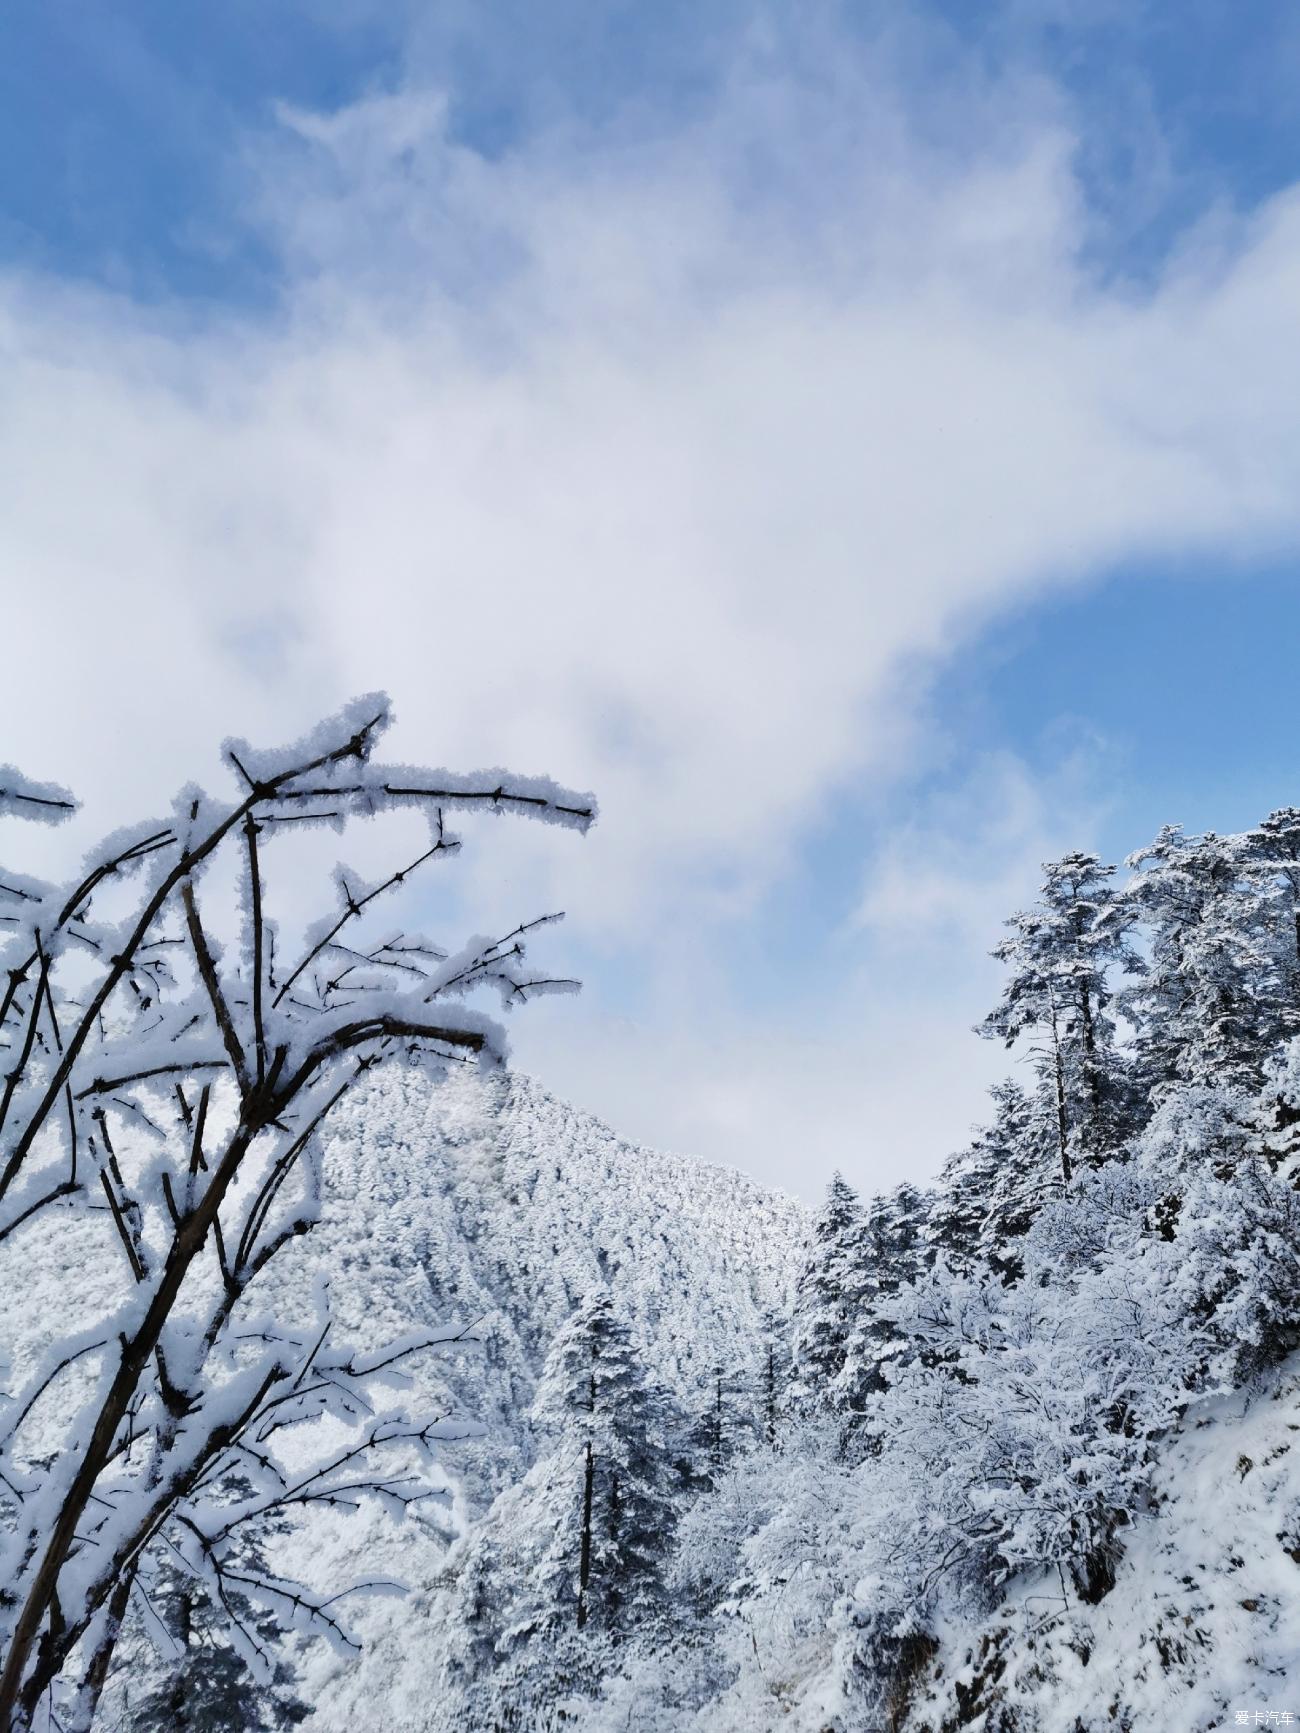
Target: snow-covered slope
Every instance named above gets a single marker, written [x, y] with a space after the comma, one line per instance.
[489, 1204]
[1202, 1625]
[492, 1204]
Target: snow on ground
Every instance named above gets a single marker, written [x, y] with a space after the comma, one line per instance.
[1203, 1624]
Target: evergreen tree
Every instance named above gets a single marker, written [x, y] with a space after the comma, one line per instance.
[607, 1425]
[196, 1680]
[892, 1252]
[571, 1561]
[1057, 996]
[1206, 1005]
[989, 1195]
[726, 1422]
[773, 1379]
[1271, 859]
[828, 1293]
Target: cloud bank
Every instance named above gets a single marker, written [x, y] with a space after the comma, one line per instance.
[669, 459]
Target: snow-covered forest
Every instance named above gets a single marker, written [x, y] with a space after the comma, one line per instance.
[352, 1380]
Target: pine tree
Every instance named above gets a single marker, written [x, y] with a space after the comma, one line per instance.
[204, 1685]
[1271, 859]
[726, 1422]
[892, 1252]
[571, 1561]
[1059, 953]
[773, 1378]
[608, 1425]
[1206, 1004]
[828, 1294]
[988, 1196]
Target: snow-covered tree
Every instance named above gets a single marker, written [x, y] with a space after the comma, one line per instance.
[581, 1545]
[197, 1681]
[605, 1425]
[174, 1093]
[1206, 1004]
[989, 1195]
[1270, 855]
[772, 1384]
[1233, 1232]
[1057, 994]
[826, 1297]
[728, 1413]
[762, 1566]
[892, 1252]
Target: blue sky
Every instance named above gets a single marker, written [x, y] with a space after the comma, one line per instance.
[121, 132]
[859, 441]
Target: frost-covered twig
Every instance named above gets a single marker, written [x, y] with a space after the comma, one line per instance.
[184, 1089]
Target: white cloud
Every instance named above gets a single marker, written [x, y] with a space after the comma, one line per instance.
[950, 874]
[882, 1091]
[634, 465]
[878, 1073]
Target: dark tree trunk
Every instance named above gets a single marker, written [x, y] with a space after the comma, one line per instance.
[584, 1556]
[611, 1583]
[176, 1696]
[771, 1396]
[1062, 1117]
[1090, 1055]
[92, 1686]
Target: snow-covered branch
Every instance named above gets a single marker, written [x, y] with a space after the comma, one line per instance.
[181, 1086]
